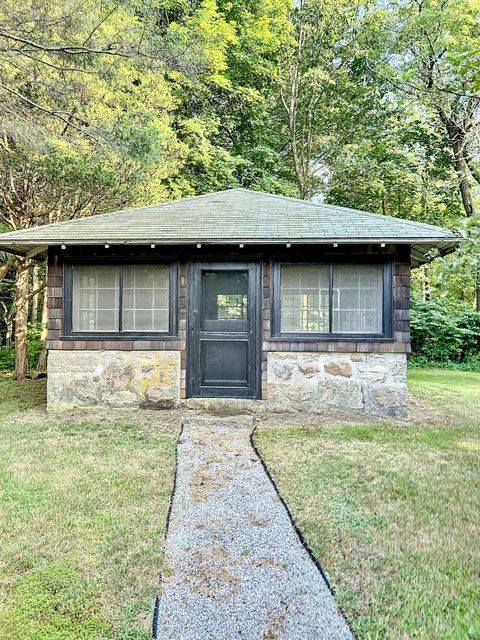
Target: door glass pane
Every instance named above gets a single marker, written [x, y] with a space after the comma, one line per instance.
[304, 298]
[357, 299]
[95, 298]
[145, 298]
[225, 295]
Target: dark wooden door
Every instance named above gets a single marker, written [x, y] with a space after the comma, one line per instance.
[223, 318]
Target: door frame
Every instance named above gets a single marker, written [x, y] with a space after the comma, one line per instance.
[195, 268]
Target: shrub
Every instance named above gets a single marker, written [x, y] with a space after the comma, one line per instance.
[469, 364]
[7, 359]
[443, 335]
[34, 346]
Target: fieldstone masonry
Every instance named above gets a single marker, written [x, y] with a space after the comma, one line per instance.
[113, 379]
[316, 382]
[296, 381]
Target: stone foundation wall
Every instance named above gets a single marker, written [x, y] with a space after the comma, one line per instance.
[113, 379]
[317, 382]
[296, 381]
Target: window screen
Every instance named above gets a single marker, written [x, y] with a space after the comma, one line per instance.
[352, 293]
[357, 299]
[145, 298]
[304, 299]
[97, 305]
[95, 298]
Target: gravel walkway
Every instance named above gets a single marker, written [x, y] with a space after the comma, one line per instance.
[233, 566]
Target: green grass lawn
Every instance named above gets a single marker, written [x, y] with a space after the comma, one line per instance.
[393, 510]
[83, 502]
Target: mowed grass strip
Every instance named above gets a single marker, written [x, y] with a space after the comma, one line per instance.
[21, 395]
[393, 511]
[83, 503]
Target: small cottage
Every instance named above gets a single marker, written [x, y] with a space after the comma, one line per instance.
[236, 294]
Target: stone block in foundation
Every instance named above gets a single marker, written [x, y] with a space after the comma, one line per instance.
[91, 378]
[370, 383]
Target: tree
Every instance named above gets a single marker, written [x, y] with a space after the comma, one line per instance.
[84, 119]
[402, 167]
[324, 84]
[464, 263]
[433, 42]
[252, 125]
[434, 39]
[225, 91]
[50, 50]
[382, 105]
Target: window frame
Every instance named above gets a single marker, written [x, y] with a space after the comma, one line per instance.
[305, 336]
[67, 324]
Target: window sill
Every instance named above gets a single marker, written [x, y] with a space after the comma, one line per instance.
[302, 337]
[119, 336]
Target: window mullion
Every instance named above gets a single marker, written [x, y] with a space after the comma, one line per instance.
[120, 298]
[96, 300]
[330, 299]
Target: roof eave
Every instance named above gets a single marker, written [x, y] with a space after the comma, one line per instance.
[32, 242]
[30, 250]
[423, 250]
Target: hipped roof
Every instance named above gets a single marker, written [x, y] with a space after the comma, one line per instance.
[231, 217]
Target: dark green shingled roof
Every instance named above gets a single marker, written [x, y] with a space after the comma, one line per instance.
[233, 216]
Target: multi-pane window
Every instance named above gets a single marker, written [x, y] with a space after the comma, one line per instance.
[332, 299]
[304, 299]
[357, 299]
[120, 298]
[145, 298]
[95, 298]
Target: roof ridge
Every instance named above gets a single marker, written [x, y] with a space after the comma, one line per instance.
[280, 196]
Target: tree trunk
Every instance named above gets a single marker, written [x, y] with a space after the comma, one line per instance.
[290, 99]
[5, 267]
[474, 171]
[9, 333]
[42, 358]
[477, 291]
[8, 321]
[425, 284]
[456, 138]
[462, 166]
[35, 286]
[461, 170]
[21, 318]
